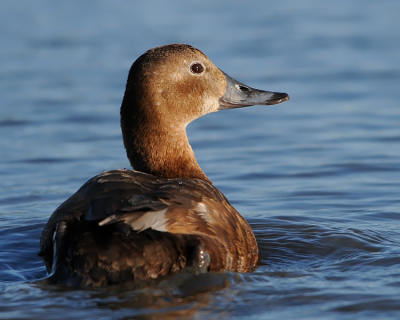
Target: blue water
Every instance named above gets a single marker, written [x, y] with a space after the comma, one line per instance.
[317, 177]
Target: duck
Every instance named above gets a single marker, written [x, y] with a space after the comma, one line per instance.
[164, 216]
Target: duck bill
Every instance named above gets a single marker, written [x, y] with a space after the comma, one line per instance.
[238, 95]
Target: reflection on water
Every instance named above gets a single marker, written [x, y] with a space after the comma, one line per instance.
[179, 296]
[318, 178]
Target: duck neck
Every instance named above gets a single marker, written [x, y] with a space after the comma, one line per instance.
[159, 147]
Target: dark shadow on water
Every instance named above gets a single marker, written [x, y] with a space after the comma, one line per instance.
[13, 123]
[178, 296]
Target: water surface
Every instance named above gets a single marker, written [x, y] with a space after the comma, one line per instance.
[317, 177]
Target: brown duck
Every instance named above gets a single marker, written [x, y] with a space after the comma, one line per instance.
[128, 225]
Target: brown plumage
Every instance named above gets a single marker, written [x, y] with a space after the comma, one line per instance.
[122, 225]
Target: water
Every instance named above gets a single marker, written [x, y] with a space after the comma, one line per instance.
[317, 177]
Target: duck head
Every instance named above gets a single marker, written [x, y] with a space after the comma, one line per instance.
[167, 88]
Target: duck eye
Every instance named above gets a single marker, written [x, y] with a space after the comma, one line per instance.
[196, 68]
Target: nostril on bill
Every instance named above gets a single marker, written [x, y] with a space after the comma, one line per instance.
[243, 88]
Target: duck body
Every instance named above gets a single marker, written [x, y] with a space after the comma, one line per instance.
[124, 226]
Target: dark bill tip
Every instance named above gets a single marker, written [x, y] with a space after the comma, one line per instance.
[278, 97]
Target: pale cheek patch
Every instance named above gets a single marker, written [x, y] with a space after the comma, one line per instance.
[210, 105]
